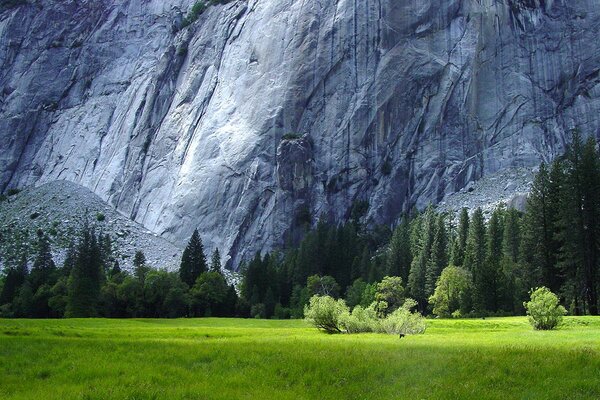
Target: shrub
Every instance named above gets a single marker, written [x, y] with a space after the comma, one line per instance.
[544, 309]
[403, 321]
[324, 312]
[291, 136]
[100, 217]
[360, 320]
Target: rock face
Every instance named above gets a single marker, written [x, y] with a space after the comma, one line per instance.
[398, 103]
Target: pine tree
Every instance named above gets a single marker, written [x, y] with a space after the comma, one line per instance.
[43, 266]
[140, 269]
[215, 262]
[511, 245]
[460, 244]
[475, 257]
[86, 277]
[490, 283]
[399, 257]
[422, 241]
[578, 226]
[439, 256]
[193, 261]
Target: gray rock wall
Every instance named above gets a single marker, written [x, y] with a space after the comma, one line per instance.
[399, 102]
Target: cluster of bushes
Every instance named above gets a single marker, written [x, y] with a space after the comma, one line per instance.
[334, 316]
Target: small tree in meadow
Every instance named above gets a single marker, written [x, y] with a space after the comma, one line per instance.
[544, 309]
[324, 312]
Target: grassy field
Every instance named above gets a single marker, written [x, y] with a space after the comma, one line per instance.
[251, 359]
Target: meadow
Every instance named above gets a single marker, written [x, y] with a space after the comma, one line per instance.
[499, 358]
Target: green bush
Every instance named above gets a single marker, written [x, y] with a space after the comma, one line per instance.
[100, 217]
[334, 316]
[360, 320]
[403, 321]
[544, 309]
[324, 312]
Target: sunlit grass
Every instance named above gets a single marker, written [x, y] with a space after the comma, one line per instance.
[253, 359]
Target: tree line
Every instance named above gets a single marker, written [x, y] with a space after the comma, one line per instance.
[471, 264]
[90, 283]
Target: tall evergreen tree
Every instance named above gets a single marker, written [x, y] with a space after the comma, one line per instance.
[422, 242]
[399, 255]
[491, 272]
[43, 267]
[193, 261]
[215, 262]
[511, 246]
[140, 269]
[460, 244]
[86, 277]
[439, 255]
[578, 226]
[475, 257]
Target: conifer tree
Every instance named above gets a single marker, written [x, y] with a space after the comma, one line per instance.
[460, 244]
[140, 269]
[86, 277]
[193, 261]
[490, 282]
[475, 257]
[439, 256]
[215, 262]
[399, 255]
[578, 226]
[43, 266]
[422, 242]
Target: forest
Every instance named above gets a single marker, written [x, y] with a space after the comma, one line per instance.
[479, 263]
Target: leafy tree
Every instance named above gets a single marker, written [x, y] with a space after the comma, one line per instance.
[59, 295]
[322, 286]
[355, 292]
[15, 277]
[324, 312]
[451, 291]
[544, 309]
[390, 291]
[209, 295]
[163, 290]
[23, 302]
[193, 261]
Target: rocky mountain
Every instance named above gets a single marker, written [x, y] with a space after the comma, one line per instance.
[265, 114]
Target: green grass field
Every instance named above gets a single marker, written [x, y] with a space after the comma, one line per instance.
[251, 359]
